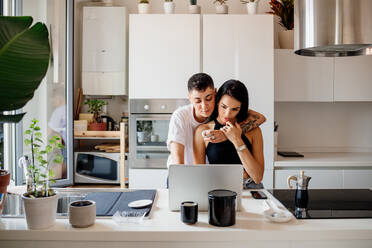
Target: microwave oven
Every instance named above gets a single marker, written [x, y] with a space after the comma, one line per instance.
[97, 167]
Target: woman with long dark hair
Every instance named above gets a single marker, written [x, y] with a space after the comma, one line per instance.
[240, 148]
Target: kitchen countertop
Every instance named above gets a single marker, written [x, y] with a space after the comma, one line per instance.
[164, 228]
[326, 159]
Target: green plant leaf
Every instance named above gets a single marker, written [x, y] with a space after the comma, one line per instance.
[51, 174]
[48, 148]
[28, 132]
[10, 27]
[24, 60]
[27, 142]
[58, 159]
[60, 146]
[38, 134]
[39, 140]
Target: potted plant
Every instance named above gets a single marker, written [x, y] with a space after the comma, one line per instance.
[4, 182]
[144, 129]
[221, 7]
[24, 60]
[143, 7]
[251, 6]
[40, 203]
[194, 8]
[169, 7]
[95, 107]
[284, 9]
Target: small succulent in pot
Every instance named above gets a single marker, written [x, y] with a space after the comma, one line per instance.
[193, 2]
[39, 171]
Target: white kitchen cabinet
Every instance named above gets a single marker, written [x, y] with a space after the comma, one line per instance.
[320, 179]
[241, 47]
[353, 78]
[104, 51]
[164, 53]
[148, 178]
[301, 78]
[358, 178]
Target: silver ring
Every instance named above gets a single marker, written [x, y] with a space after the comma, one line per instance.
[212, 137]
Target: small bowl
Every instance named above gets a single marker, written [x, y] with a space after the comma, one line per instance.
[82, 213]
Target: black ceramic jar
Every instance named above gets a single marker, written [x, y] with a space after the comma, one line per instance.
[221, 207]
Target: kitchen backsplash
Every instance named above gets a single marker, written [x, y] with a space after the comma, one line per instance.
[340, 126]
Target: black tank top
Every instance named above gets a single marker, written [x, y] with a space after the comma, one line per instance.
[225, 152]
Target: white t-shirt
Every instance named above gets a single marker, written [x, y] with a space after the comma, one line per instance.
[181, 130]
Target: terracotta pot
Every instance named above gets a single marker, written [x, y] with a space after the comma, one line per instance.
[40, 212]
[4, 182]
[96, 126]
[286, 39]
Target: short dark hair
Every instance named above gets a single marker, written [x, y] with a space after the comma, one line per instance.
[237, 90]
[200, 82]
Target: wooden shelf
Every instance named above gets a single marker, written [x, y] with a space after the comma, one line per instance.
[97, 134]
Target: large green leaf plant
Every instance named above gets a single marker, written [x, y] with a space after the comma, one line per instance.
[24, 60]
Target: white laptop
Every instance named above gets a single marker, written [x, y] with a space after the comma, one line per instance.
[193, 182]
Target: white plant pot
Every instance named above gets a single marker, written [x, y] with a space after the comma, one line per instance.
[222, 9]
[143, 8]
[40, 212]
[194, 9]
[286, 39]
[169, 7]
[252, 8]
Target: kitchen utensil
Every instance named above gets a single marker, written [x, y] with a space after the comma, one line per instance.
[140, 203]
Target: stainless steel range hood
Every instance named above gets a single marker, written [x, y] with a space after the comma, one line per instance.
[333, 28]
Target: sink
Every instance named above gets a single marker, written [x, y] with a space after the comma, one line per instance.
[13, 207]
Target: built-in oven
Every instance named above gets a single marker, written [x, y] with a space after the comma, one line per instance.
[97, 167]
[148, 131]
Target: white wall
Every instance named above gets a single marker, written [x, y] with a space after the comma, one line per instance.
[341, 126]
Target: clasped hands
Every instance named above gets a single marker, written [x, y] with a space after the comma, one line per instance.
[230, 131]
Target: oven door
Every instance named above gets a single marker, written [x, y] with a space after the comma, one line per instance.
[147, 140]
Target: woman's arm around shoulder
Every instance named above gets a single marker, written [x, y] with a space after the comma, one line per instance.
[199, 144]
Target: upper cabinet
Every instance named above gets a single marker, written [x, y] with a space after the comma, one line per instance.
[353, 78]
[319, 79]
[241, 47]
[164, 53]
[104, 51]
[302, 79]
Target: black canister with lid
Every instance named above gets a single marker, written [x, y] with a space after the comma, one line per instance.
[221, 207]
